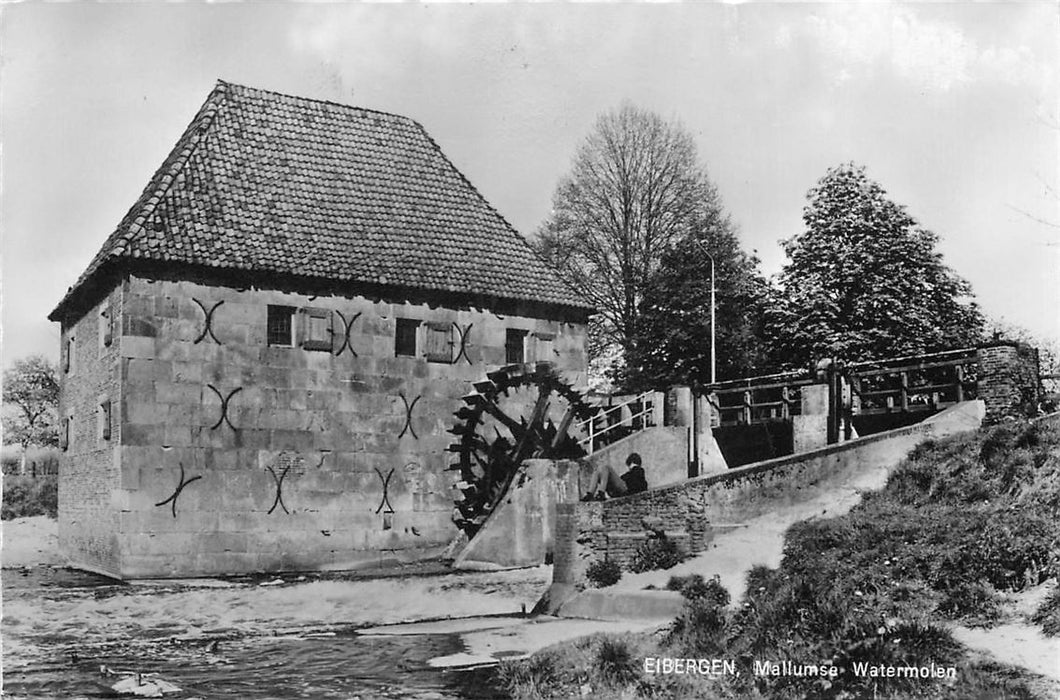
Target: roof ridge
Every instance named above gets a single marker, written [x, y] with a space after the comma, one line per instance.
[463, 178]
[197, 131]
[131, 225]
[315, 100]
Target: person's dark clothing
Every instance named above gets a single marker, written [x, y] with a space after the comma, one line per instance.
[635, 481]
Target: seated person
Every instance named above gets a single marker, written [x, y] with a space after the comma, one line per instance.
[606, 479]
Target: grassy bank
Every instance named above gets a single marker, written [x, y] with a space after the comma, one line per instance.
[959, 523]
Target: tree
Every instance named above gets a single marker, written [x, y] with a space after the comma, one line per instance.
[31, 395]
[635, 188]
[673, 339]
[865, 281]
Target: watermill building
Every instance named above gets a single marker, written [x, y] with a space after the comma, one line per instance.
[261, 365]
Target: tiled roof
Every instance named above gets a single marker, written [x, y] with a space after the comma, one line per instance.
[278, 184]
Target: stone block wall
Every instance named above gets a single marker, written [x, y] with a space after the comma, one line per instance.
[240, 456]
[1009, 381]
[89, 465]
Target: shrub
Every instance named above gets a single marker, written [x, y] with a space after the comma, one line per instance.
[1048, 614]
[656, 553]
[25, 496]
[996, 443]
[603, 572]
[616, 662]
[693, 587]
[969, 599]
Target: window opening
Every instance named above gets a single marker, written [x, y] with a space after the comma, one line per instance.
[514, 346]
[280, 329]
[405, 337]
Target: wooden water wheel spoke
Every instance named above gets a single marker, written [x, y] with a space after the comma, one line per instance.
[512, 416]
[513, 425]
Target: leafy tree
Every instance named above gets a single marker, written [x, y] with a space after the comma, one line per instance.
[673, 340]
[635, 188]
[623, 232]
[865, 281]
[31, 398]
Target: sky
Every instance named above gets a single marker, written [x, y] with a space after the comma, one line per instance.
[951, 107]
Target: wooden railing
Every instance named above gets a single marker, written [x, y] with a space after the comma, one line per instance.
[757, 399]
[619, 416]
[913, 384]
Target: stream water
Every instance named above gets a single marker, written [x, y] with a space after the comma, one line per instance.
[336, 663]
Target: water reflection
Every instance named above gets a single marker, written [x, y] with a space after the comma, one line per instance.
[342, 666]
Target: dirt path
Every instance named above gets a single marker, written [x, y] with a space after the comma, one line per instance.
[29, 542]
[759, 541]
[1017, 644]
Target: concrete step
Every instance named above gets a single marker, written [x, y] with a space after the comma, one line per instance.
[603, 604]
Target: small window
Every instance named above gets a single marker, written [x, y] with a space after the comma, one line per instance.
[64, 433]
[405, 338]
[104, 420]
[515, 346]
[280, 327]
[317, 329]
[438, 343]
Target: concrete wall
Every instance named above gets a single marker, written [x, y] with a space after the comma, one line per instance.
[688, 511]
[664, 451]
[237, 456]
[89, 484]
[520, 532]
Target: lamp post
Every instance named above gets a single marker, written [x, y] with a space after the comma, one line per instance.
[713, 355]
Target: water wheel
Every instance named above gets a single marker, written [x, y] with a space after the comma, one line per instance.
[518, 412]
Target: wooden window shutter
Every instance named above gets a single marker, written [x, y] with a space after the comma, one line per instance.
[68, 356]
[104, 417]
[317, 329]
[106, 324]
[438, 344]
[544, 347]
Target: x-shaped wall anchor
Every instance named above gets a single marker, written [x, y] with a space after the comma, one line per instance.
[172, 500]
[224, 406]
[408, 416]
[348, 325]
[278, 501]
[385, 503]
[206, 328]
[464, 334]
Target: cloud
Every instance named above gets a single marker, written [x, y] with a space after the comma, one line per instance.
[930, 53]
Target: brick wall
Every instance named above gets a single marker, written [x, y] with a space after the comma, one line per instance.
[89, 472]
[239, 456]
[1008, 379]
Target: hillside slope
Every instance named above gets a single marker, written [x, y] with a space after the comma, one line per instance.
[959, 528]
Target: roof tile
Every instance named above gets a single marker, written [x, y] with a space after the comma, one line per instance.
[286, 184]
